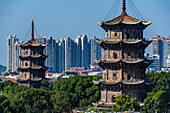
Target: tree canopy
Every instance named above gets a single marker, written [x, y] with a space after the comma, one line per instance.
[124, 103]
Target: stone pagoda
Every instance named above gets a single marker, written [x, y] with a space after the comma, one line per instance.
[124, 64]
[32, 69]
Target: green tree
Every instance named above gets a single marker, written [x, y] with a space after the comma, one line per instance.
[80, 88]
[61, 102]
[157, 101]
[4, 104]
[124, 103]
[33, 101]
[158, 95]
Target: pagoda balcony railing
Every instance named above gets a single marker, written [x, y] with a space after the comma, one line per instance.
[38, 55]
[33, 67]
[132, 59]
[111, 40]
[130, 40]
[133, 80]
[125, 59]
[34, 79]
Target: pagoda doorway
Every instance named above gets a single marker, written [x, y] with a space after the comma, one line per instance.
[113, 98]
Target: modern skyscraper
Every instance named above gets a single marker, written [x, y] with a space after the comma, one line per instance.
[41, 39]
[158, 48]
[78, 51]
[83, 51]
[51, 53]
[166, 51]
[95, 49]
[13, 51]
[61, 55]
[68, 53]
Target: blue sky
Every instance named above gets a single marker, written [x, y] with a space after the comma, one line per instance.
[70, 18]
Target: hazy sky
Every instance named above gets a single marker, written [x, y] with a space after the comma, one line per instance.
[70, 18]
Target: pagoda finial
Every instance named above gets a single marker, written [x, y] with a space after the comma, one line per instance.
[32, 30]
[124, 7]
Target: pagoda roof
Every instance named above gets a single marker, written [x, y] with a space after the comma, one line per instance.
[33, 42]
[124, 19]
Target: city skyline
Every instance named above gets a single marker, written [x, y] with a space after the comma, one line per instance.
[62, 54]
[80, 17]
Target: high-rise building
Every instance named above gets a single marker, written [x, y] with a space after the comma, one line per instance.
[95, 49]
[124, 64]
[68, 52]
[78, 51]
[51, 53]
[83, 51]
[158, 48]
[41, 39]
[13, 51]
[32, 69]
[61, 55]
[155, 66]
[166, 51]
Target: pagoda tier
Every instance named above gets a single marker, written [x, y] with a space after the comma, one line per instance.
[110, 64]
[118, 43]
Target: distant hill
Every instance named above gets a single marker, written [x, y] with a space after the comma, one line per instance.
[2, 69]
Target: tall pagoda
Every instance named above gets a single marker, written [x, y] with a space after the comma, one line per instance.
[124, 64]
[32, 69]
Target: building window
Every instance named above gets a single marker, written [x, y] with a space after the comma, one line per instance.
[104, 76]
[140, 55]
[107, 35]
[25, 75]
[26, 52]
[114, 76]
[26, 64]
[128, 35]
[33, 52]
[115, 55]
[128, 77]
[115, 34]
[128, 53]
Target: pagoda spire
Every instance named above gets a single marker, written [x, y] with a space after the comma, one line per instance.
[32, 30]
[124, 7]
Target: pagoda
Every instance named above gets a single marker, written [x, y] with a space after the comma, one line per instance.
[32, 69]
[124, 64]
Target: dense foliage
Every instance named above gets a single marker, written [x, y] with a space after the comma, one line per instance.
[124, 103]
[159, 94]
[79, 91]
[61, 97]
[2, 69]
